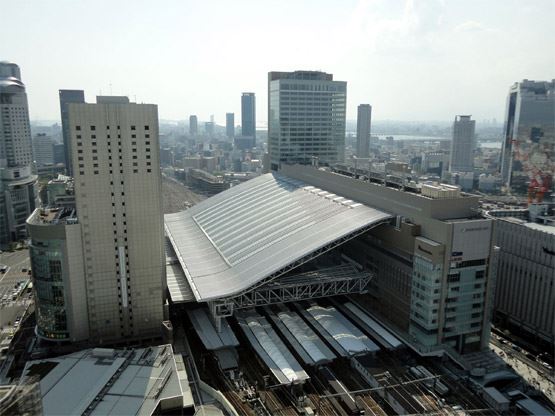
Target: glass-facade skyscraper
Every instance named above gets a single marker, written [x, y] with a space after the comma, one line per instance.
[66, 97]
[364, 120]
[248, 115]
[306, 118]
[193, 125]
[230, 125]
[528, 156]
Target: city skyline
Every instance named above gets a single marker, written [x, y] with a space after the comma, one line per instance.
[386, 51]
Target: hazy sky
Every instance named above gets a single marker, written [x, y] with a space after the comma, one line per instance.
[412, 60]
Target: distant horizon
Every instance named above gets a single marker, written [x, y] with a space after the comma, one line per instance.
[263, 123]
[409, 59]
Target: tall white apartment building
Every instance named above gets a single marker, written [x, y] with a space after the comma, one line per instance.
[463, 144]
[364, 118]
[306, 118]
[115, 159]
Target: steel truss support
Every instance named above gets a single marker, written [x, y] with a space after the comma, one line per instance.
[307, 286]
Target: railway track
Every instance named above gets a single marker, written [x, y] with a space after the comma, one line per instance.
[354, 382]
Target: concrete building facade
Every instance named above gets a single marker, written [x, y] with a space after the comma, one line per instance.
[18, 193]
[528, 154]
[525, 297]
[306, 118]
[435, 264]
[463, 145]
[115, 155]
[364, 120]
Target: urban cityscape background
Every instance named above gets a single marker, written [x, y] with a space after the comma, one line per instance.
[352, 213]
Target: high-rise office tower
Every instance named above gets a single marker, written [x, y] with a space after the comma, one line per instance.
[193, 125]
[306, 118]
[462, 145]
[66, 97]
[230, 125]
[528, 160]
[43, 149]
[18, 193]
[364, 119]
[209, 128]
[248, 116]
[115, 155]
[59, 153]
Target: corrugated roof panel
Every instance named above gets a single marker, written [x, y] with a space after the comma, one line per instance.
[233, 240]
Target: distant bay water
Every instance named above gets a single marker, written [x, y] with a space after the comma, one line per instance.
[486, 144]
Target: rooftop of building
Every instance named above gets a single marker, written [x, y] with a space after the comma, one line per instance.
[53, 216]
[240, 237]
[104, 381]
[61, 179]
[538, 216]
[393, 180]
[301, 75]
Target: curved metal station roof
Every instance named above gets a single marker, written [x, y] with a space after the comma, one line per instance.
[237, 238]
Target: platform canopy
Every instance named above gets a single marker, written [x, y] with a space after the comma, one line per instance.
[239, 238]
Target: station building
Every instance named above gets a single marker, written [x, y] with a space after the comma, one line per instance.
[420, 260]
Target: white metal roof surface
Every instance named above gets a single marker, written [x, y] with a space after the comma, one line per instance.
[271, 349]
[231, 241]
[306, 337]
[344, 332]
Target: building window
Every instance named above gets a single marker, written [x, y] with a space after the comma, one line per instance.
[132, 127]
[78, 128]
[93, 128]
[147, 127]
[135, 171]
